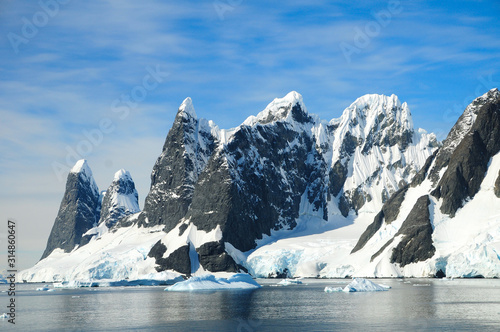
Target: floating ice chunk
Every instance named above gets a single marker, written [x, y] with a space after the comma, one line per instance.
[43, 289]
[364, 285]
[358, 285]
[210, 282]
[333, 289]
[286, 282]
[4, 316]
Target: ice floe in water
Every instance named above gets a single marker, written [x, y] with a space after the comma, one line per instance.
[210, 282]
[287, 282]
[358, 285]
[43, 289]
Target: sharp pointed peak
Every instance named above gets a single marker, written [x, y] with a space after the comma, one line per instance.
[122, 174]
[187, 108]
[81, 166]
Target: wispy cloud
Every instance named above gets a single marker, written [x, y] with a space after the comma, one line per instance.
[65, 79]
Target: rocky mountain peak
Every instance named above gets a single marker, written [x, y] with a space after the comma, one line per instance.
[120, 200]
[79, 210]
[187, 109]
[290, 108]
[378, 120]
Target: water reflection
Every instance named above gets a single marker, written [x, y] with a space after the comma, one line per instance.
[452, 305]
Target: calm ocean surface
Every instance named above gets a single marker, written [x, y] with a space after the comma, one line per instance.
[411, 305]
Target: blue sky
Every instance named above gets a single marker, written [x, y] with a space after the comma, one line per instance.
[66, 66]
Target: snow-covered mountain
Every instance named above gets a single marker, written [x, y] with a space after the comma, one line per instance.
[447, 221]
[286, 193]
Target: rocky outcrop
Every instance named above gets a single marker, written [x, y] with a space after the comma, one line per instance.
[214, 258]
[416, 244]
[389, 213]
[185, 153]
[260, 177]
[178, 260]
[79, 210]
[469, 161]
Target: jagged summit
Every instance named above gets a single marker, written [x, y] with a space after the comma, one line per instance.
[81, 166]
[187, 108]
[122, 174]
[78, 211]
[289, 108]
[120, 200]
[372, 108]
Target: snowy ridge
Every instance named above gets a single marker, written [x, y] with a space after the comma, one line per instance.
[277, 110]
[288, 194]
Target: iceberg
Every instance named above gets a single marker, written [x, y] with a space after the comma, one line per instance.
[286, 282]
[4, 316]
[205, 282]
[358, 285]
[43, 289]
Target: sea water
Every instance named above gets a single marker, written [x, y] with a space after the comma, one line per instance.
[410, 305]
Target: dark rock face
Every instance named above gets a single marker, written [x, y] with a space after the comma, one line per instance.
[369, 232]
[178, 260]
[416, 244]
[497, 186]
[468, 163]
[77, 214]
[259, 178]
[337, 177]
[389, 212]
[213, 258]
[111, 209]
[188, 146]
[422, 174]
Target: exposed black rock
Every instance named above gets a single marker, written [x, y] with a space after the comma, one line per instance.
[178, 260]
[381, 250]
[280, 274]
[440, 274]
[497, 186]
[213, 258]
[78, 211]
[337, 177]
[187, 147]
[369, 232]
[475, 117]
[416, 244]
[468, 162]
[389, 212]
[464, 175]
[259, 179]
[422, 174]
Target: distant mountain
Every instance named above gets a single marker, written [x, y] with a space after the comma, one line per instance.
[83, 208]
[78, 210]
[286, 193]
